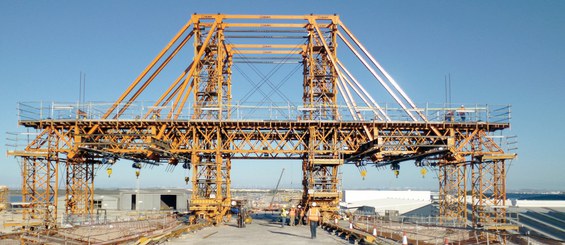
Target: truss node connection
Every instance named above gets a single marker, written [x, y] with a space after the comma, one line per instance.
[197, 122]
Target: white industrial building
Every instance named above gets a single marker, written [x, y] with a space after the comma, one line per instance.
[142, 200]
[109, 202]
[401, 201]
[158, 199]
[106, 202]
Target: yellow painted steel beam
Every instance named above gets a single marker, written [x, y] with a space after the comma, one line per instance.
[250, 51]
[499, 156]
[146, 70]
[266, 46]
[38, 154]
[264, 25]
[191, 73]
[155, 73]
[266, 17]
[327, 161]
[169, 94]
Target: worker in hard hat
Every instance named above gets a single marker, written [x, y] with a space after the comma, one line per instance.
[284, 213]
[235, 210]
[313, 219]
[292, 215]
[300, 215]
[462, 113]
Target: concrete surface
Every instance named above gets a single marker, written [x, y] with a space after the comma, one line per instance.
[263, 230]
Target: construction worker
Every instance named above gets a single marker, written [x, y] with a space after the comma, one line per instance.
[313, 219]
[462, 113]
[449, 116]
[283, 216]
[301, 215]
[241, 217]
[292, 215]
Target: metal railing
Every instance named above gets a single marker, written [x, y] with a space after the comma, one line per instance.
[427, 230]
[101, 218]
[19, 140]
[33, 111]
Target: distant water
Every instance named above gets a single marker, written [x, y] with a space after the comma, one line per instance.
[536, 196]
[15, 198]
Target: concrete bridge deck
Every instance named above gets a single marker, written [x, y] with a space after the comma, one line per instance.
[264, 229]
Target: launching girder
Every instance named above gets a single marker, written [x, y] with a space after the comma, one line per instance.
[208, 131]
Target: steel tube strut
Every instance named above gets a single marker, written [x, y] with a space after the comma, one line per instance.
[193, 68]
[385, 73]
[378, 77]
[363, 94]
[149, 67]
[168, 92]
[155, 73]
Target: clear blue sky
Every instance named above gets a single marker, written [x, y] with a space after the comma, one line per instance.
[498, 52]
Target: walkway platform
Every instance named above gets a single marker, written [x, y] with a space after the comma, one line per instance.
[265, 229]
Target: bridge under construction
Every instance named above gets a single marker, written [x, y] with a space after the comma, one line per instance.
[197, 123]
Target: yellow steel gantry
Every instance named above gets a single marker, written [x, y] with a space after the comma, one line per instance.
[208, 133]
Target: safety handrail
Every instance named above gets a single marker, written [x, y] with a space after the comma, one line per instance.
[443, 113]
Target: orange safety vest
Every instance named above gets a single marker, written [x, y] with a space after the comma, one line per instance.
[292, 212]
[313, 214]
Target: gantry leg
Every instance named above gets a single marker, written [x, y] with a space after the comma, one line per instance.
[40, 168]
[79, 196]
[321, 171]
[39, 189]
[452, 193]
[211, 194]
[320, 184]
[489, 193]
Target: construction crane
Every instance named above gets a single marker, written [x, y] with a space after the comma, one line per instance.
[276, 190]
[196, 122]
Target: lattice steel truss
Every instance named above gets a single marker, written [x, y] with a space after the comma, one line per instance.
[40, 165]
[79, 186]
[205, 136]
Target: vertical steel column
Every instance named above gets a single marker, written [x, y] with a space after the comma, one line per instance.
[320, 76]
[211, 77]
[40, 175]
[212, 95]
[489, 193]
[321, 165]
[227, 83]
[452, 192]
[79, 195]
[321, 171]
[211, 192]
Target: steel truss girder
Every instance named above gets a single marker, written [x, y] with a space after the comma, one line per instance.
[282, 139]
[308, 140]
